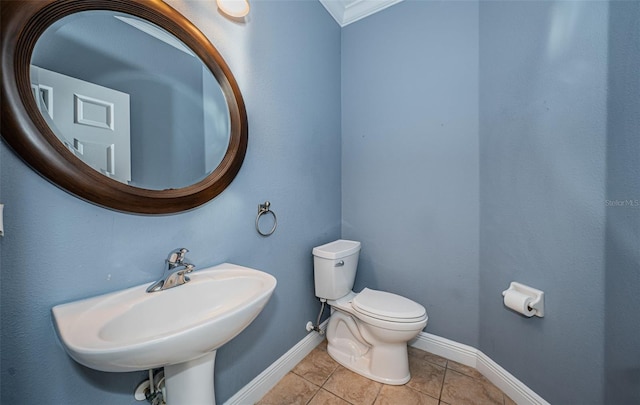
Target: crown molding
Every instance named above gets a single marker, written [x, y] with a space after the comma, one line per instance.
[346, 12]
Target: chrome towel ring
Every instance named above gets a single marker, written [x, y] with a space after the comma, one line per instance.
[263, 209]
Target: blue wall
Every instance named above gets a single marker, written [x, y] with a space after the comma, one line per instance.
[58, 248]
[622, 253]
[543, 111]
[410, 157]
[432, 91]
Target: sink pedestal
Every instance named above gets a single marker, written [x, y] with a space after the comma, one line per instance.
[191, 382]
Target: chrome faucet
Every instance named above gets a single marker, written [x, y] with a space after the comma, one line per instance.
[175, 273]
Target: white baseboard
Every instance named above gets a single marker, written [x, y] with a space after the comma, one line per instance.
[467, 355]
[259, 386]
[470, 356]
[510, 385]
[446, 348]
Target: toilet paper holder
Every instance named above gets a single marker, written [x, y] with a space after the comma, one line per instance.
[537, 297]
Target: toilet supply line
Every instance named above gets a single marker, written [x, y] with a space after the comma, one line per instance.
[316, 327]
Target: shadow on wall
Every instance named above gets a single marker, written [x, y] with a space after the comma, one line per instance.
[622, 249]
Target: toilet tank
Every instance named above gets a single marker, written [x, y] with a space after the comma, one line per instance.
[335, 266]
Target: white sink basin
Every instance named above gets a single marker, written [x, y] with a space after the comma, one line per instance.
[135, 330]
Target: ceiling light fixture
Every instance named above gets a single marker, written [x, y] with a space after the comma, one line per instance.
[234, 8]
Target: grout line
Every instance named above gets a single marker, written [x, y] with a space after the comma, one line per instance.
[420, 392]
[312, 396]
[444, 377]
[329, 377]
[378, 393]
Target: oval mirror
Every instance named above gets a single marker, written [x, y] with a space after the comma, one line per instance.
[124, 104]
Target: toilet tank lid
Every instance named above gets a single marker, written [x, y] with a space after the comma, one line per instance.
[337, 249]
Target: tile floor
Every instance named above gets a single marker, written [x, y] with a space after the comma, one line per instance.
[319, 380]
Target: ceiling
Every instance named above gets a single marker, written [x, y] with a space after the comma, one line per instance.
[347, 11]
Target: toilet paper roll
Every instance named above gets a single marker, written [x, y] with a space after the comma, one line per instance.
[519, 302]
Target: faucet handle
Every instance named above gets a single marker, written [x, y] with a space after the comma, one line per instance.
[181, 254]
[177, 256]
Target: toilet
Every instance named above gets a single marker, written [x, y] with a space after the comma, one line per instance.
[368, 331]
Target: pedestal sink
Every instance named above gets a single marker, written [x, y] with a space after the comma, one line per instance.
[178, 329]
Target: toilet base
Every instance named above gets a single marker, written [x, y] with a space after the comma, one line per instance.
[361, 365]
[387, 363]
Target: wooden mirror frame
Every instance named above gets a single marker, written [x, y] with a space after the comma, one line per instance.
[27, 133]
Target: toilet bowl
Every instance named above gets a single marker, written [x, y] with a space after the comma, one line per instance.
[368, 331]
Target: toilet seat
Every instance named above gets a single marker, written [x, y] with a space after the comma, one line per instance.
[387, 306]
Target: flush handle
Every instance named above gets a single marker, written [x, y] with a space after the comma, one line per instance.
[340, 263]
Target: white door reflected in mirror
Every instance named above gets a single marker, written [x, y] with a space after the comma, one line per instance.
[179, 119]
[91, 120]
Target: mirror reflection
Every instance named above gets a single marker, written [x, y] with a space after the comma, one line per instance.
[130, 100]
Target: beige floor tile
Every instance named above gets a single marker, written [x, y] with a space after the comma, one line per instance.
[460, 389]
[431, 377]
[401, 394]
[426, 377]
[322, 345]
[292, 389]
[324, 397]
[430, 357]
[352, 387]
[461, 368]
[316, 367]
